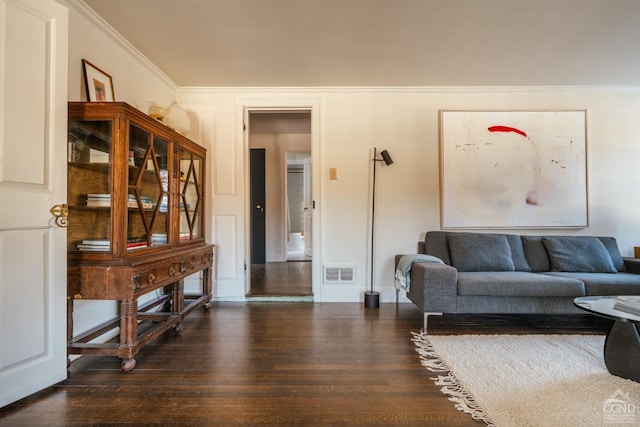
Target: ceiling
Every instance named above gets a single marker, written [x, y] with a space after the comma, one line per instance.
[310, 43]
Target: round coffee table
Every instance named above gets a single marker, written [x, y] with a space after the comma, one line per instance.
[622, 345]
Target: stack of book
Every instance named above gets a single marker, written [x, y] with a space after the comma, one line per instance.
[94, 245]
[104, 200]
[136, 243]
[158, 238]
[147, 203]
[99, 200]
[628, 304]
[105, 244]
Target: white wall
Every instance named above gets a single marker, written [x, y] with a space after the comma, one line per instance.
[405, 121]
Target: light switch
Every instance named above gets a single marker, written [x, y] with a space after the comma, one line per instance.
[333, 173]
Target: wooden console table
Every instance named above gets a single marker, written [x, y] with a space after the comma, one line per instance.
[128, 281]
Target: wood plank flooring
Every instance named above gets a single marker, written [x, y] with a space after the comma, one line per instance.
[336, 364]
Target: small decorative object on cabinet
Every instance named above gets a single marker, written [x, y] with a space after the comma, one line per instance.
[135, 226]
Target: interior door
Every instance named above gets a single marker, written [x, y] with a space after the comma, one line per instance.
[257, 199]
[308, 209]
[33, 159]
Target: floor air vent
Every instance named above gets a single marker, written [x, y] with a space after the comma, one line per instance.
[339, 273]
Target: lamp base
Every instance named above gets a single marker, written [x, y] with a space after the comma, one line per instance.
[372, 299]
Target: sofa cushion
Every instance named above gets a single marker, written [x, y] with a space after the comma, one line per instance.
[605, 283]
[517, 253]
[612, 246]
[578, 254]
[480, 252]
[535, 253]
[435, 243]
[518, 284]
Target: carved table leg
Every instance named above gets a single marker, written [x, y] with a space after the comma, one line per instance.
[178, 302]
[622, 350]
[128, 333]
[206, 287]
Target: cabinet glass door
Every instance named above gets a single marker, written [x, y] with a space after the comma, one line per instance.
[191, 204]
[89, 186]
[148, 221]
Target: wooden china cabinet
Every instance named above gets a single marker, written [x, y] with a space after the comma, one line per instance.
[135, 226]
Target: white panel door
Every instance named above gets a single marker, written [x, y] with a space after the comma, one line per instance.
[33, 123]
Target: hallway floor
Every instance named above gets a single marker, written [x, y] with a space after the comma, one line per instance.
[278, 279]
[281, 279]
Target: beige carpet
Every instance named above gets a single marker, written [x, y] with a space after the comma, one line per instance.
[530, 380]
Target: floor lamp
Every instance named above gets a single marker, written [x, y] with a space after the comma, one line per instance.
[371, 298]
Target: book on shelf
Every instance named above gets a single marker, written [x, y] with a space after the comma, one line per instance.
[136, 245]
[105, 245]
[94, 245]
[628, 304]
[97, 242]
[104, 200]
[98, 203]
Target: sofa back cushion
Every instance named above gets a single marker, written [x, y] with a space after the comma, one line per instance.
[480, 252]
[612, 247]
[535, 253]
[436, 244]
[578, 254]
[517, 252]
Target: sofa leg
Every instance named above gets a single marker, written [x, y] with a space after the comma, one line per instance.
[426, 318]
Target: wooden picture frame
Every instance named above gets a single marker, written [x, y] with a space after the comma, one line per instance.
[513, 169]
[98, 84]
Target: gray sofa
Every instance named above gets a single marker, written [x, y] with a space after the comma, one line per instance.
[508, 273]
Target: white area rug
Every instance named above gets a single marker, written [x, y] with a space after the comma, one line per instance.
[530, 380]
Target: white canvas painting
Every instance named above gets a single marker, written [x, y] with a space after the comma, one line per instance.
[508, 169]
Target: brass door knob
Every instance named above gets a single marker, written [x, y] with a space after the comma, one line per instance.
[61, 214]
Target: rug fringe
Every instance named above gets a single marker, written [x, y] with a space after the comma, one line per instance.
[462, 399]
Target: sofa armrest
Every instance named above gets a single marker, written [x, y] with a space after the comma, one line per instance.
[632, 265]
[434, 287]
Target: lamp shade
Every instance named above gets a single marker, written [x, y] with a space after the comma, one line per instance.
[177, 118]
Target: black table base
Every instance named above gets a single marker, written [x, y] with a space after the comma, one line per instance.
[622, 350]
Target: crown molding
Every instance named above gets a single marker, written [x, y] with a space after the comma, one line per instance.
[90, 15]
[407, 89]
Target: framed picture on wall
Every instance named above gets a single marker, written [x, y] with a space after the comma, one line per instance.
[512, 169]
[98, 84]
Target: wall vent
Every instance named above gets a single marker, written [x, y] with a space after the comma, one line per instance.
[342, 273]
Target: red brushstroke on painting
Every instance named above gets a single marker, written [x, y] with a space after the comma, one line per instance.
[507, 129]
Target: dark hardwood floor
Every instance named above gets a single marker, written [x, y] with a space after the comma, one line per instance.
[265, 363]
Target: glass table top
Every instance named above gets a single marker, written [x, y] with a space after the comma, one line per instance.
[610, 307]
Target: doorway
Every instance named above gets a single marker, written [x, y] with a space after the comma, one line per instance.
[280, 203]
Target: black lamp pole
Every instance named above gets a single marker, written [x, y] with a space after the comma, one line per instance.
[372, 298]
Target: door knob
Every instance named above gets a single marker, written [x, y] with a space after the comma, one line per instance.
[260, 207]
[61, 213]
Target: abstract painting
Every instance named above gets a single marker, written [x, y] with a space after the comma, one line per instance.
[511, 169]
